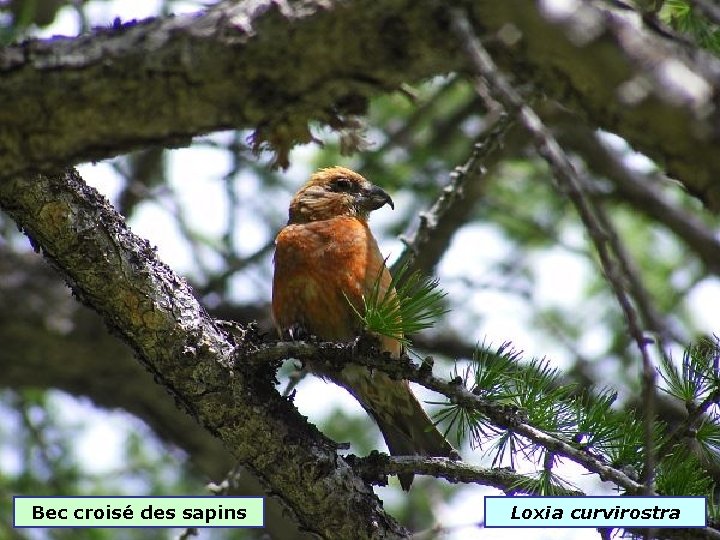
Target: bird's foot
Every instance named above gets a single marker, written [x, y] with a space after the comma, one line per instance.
[297, 332]
[366, 343]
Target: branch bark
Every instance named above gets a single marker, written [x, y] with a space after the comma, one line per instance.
[49, 341]
[273, 66]
[153, 310]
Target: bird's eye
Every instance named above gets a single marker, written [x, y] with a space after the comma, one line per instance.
[343, 184]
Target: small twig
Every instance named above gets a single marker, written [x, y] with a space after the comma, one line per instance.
[294, 379]
[684, 427]
[426, 246]
[38, 439]
[233, 265]
[636, 288]
[402, 136]
[229, 237]
[548, 147]
[375, 466]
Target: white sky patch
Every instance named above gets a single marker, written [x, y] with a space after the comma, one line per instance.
[504, 319]
[196, 175]
[704, 300]
[615, 142]
[66, 24]
[102, 177]
[10, 459]
[559, 9]
[105, 12]
[639, 162]
[391, 249]
[635, 160]
[315, 395]
[473, 250]
[160, 229]
[561, 276]
[100, 445]
[252, 235]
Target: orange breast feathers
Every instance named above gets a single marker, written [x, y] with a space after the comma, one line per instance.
[321, 268]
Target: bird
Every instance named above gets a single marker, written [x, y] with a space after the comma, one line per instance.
[326, 260]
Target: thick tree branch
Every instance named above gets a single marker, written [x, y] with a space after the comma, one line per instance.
[153, 310]
[50, 341]
[268, 65]
[273, 66]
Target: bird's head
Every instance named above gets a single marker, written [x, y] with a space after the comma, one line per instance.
[336, 191]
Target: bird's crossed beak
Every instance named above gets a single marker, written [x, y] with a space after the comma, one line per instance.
[373, 198]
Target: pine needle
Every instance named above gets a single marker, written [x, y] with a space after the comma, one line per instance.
[415, 305]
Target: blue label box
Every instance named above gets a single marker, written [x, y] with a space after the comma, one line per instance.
[595, 512]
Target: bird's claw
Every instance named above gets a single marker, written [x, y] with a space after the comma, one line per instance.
[298, 332]
[366, 343]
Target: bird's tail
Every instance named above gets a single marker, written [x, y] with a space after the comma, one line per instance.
[403, 422]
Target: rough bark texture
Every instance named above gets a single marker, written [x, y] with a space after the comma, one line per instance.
[153, 310]
[50, 341]
[274, 66]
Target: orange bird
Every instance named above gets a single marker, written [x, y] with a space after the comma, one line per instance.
[326, 258]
